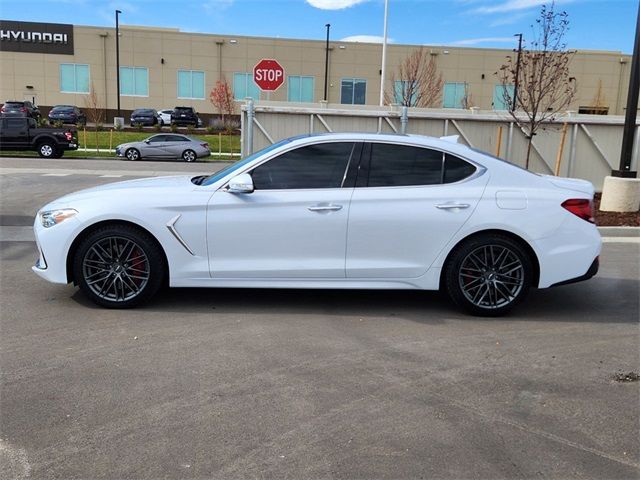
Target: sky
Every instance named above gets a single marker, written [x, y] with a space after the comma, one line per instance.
[594, 24]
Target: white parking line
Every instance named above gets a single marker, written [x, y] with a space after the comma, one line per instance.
[110, 176]
[56, 174]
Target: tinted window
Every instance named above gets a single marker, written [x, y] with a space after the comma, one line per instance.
[158, 138]
[315, 166]
[176, 138]
[15, 123]
[456, 169]
[142, 112]
[400, 165]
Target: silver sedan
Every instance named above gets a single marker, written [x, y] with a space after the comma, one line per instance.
[165, 145]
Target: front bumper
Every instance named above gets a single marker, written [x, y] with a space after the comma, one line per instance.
[53, 248]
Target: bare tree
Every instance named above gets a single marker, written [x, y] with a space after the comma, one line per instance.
[467, 100]
[222, 98]
[95, 112]
[420, 83]
[545, 87]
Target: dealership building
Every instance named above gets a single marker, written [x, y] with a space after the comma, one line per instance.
[160, 68]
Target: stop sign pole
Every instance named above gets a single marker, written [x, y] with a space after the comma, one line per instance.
[268, 75]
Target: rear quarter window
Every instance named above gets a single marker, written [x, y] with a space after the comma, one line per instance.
[457, 169]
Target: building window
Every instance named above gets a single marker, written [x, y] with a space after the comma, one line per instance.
[593, 110]
[74, 78]
[244, 86]
[134, 81]
[402, 92]
[454, 94]
[353, 91]
[300, 89]
[191, 84]
[502, 97]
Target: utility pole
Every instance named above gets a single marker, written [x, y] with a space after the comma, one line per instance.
[383, 69]
[118, 12]
[326, 62]
[514, 103]
[632, 110]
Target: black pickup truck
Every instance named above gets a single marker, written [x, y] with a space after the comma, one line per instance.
[22, 133]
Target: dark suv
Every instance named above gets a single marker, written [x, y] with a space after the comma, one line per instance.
[184, 116]
[20, 108]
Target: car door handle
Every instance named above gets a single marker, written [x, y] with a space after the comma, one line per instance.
[325, 208]
[450, 206]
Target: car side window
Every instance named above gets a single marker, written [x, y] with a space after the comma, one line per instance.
[403, 165]
[15, 122]
[158, 139]
[315, 166]
[456, 169]
[176, 138]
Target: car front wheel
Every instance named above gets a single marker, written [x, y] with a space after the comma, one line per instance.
[189, 156]
[132, 154]
[119, 266]
[488, 275]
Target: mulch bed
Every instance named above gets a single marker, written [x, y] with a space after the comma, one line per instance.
[615, 219]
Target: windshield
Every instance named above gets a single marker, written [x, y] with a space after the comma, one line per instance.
[211, 179]
[142, 112]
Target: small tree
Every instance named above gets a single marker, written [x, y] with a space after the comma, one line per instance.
[542, 75]
[95, 112]
[222, 99]
[419, 81]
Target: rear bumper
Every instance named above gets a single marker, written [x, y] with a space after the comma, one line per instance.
[593, 270]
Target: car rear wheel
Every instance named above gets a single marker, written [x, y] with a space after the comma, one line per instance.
[189, 156]
[132, 154]
[47, 149]
[488, 275]
[119, 266]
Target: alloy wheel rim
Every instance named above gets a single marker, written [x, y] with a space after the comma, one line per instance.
[116, 269]
[491, 276]
[133, 155]
[189, 156]
[46, 150]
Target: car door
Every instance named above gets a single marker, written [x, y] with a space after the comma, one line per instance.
[15, 132]
[408, 203]
[294, 224]
[175, 145]
[155, 147]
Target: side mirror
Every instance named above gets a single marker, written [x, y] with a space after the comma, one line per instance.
[242, 183]
[147, 141]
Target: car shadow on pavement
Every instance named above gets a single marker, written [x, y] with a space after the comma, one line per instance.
[601, 300]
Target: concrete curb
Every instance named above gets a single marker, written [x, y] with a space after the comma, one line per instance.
[619, 231]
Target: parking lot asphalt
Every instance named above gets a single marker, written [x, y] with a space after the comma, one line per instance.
[307, 384]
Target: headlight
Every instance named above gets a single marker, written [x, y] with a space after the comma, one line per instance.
[54, 217]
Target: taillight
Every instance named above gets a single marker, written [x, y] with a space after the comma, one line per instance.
[205, 145]
[68, 136]
[23, 109]
[580, 207]
[2, 109]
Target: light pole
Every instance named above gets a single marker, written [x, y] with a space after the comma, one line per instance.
[326, 62]
[383, 69]
[632, 110]
[514, 104]
[118, 12]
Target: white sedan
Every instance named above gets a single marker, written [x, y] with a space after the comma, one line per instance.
[360, 211]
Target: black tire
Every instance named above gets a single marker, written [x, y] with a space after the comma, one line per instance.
[119, 266]
[59, 153]
[488, 275]
[47, 149]
[132, 154]
[189, 156]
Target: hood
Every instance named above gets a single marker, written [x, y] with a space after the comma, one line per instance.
[130, 189]
[575, 184]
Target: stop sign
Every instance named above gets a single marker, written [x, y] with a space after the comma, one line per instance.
[268, 75]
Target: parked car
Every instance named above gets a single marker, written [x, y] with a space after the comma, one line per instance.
[184, 116]
[166, 115]
[20, 108]
[23, 133]
[67, 114]
[329, 211]
[165, 145]
[145, 116]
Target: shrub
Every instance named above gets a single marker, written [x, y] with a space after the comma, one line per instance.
[58, 124]
[217, 124]
[138, 126]
[190, 129]
[118, 127]
[173, 128]
[157, 127]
